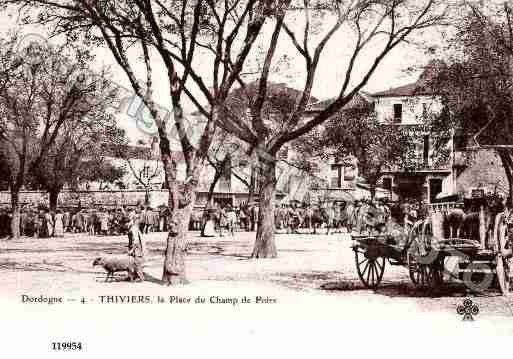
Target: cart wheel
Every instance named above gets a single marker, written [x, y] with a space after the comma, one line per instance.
[421, 275]
[437, 272]
[370, 269]
[502, 267]
[426, 273]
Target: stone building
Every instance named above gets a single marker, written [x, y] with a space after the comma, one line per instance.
[429, 174]
[410, 108]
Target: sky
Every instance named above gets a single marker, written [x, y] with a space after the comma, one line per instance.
[329, 77]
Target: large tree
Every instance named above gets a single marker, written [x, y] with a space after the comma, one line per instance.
[378, 24]
[41, 92]
[78, 153]
[80, 140]
[175, 34]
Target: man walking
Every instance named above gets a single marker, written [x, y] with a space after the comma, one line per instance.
[135, 247]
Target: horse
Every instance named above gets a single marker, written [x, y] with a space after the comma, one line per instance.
[466, 222]
[319, 216]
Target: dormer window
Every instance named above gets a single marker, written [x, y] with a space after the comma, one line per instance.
[398, 112]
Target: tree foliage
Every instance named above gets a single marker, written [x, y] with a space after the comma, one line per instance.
[43, 96]
[475, 82]
[355, 131]
[99, 170]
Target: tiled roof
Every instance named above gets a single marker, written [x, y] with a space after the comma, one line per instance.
[413, 89]
[360, 100]
[418, 88]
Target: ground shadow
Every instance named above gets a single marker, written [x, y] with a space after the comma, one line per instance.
[151, 279]
[217, 249]
[115, 279]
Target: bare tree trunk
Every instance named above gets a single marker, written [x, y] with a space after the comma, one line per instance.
[213, 186]
[54, 196]
[16, 216]
[174, 263]
[146, 196]
[265, 246]
[209, 199]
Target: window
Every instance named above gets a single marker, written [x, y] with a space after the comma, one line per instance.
[398, 112]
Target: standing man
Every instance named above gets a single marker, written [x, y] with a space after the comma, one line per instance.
[23, 220]
[294, 219]
[66, 220]
[79, 221]
[289, 216]
[309, 213]
[49, 223]
[135, 248]
[330, 211]
[223, 220]
[231, 217]
[243, 218]
[38, 223]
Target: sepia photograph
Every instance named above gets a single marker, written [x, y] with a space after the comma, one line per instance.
[250, 178]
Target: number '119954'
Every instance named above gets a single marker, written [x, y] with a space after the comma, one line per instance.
[65, 346]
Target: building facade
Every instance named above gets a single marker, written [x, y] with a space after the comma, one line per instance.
[434, 168]
[410, 108]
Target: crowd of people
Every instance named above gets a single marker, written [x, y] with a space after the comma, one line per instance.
[296, 217]
[329, 217]
[219, 218]
[44, 223]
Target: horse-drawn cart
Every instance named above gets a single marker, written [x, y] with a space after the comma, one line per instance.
[470, 246]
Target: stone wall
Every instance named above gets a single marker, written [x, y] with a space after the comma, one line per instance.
[484, 169]
[87, 198]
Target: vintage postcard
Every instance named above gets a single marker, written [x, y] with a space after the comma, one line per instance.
[253, 178]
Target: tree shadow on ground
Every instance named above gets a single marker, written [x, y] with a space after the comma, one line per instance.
[151, 279]
[216, 249]
[30, 267]
[124, 278]
[82, 248]
[44, 266]
[223, 243]
[115, 279]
